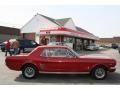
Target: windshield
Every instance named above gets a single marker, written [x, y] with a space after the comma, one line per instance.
[74, 52]
[33, 43]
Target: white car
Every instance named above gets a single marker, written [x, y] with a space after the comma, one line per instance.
[57, 43]
[61, 44]
[92, 47]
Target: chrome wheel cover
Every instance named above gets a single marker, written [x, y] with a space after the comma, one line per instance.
[29, 72]
[100, 73]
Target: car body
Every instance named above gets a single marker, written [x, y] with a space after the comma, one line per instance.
[2, 46]
[119, 48]
[25, 45]
[59, 60]
[92, 47]
[114, 46]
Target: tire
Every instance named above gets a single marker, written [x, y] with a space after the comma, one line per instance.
[99, 73]
[29, 71]
[2, 49]
[19, 51]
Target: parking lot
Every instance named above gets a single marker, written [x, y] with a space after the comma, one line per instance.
[8, 76]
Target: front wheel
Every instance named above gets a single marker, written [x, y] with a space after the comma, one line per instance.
[29, 71]
[99, 73]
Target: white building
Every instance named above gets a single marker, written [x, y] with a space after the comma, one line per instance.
[44, 29]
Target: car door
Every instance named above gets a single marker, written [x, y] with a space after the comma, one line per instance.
[50, 61]
[59, 60]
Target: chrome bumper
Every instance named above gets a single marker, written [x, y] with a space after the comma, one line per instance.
[112, 69]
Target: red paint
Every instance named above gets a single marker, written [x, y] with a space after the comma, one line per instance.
[66, 29]
[83, 63]
[70, 30]
[7, 45]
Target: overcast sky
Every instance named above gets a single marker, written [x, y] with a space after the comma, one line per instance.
[103, 21]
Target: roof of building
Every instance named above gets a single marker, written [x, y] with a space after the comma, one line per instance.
[51, 19]
[83, 30]
[63, 21]
[60, 22]
[9, 31]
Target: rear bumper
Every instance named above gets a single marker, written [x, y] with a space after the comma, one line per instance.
[112, 69]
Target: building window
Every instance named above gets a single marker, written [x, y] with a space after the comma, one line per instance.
[53, 39]
[79, 45]
[69, 39]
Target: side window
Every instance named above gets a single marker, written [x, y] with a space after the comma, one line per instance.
[60, 52]
[57, 52]
[52, 52]
[44, 53]
[48, 52]
[26, 43]
[70, 54]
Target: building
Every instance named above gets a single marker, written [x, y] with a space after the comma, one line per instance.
[108, 41]
[8, 33]
[44, 30]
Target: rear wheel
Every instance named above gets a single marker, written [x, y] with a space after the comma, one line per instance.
[99, 73]
[29, 71]
[3, 49]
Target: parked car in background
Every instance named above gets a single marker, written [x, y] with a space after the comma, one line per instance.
[92, 47]
[119, 48]
[60, 60]
[25, 45]
[2, 46]
[114, 46]
[62, 44]
[57, 43]
[107, 46]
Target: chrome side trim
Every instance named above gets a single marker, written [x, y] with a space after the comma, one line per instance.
[64, 72]
[112, 68]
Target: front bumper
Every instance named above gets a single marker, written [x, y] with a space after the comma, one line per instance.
[112, 69]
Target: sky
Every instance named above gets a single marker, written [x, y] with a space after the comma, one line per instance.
[101, 20]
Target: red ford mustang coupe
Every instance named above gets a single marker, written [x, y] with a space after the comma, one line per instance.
[60, 60]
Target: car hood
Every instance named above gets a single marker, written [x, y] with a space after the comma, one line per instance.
[95, 56]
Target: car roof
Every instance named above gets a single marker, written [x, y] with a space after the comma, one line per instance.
[52, 46]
